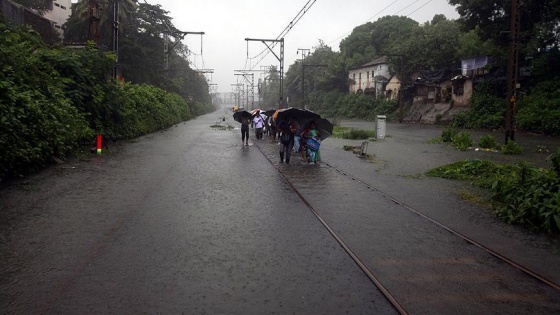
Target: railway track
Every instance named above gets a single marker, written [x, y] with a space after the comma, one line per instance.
[367, 268]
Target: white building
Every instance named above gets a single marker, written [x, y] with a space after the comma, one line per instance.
[370, 78]
[60, 11]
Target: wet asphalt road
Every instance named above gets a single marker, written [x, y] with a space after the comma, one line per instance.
[191, 221]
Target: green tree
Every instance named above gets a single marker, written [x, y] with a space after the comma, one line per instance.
[368, 41]
[470, 44]
[540, 20]
[431, 46]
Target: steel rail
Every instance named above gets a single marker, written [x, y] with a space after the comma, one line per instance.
[346, 248]
[462, 236]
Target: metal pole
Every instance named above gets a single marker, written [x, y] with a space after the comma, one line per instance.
[116, 36]
[512, 71]
[282, 73]
[303, 50]
[252, 90]
[280, 58]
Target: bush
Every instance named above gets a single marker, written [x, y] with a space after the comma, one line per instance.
[488, 142]
[37, 121]
[462, 141]
[530, 198]
[54, 100]
[512, 148]
[448, 133]
[554, 158]
[487, 111]
[521, 194]
[460, 120]
[540, 110]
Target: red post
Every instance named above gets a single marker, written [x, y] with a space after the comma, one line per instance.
[99, 143]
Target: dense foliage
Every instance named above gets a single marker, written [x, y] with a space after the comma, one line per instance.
[144, 31]
[52, 100]
[37, 119]
[540, 110]
[487, 110]
[521, 194]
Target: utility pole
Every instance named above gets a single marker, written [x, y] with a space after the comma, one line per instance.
[280, 59]
[237, 94]
[303, 50]
[251, 87]
[116, 4]
[512, 71]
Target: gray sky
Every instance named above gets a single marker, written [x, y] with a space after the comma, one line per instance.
[226, 24]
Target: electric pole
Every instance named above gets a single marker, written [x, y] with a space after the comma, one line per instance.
[512, 71]
[280, 59]
[116, 4]
[303, 50]
[251, 87]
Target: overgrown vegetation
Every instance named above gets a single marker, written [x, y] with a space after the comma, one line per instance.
[512, 148]
[521, 194]
[462, 141]
[448, 133]
[539, 111]
[53, 100]
[488, 142]
[487, 110]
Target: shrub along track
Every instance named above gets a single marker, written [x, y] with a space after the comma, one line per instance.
[493, 287]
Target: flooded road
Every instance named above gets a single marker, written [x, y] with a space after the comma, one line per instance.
[189, 220]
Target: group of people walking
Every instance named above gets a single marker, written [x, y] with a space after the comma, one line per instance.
[306, 142]
[291, 138]
[259, 123]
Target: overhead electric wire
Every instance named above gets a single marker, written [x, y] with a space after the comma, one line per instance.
[408, 6]
[282, 34]
[419, 8]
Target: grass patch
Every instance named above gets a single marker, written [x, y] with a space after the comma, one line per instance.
[480, 173]
[352, 134]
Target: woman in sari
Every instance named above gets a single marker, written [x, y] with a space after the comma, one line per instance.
[313, 143]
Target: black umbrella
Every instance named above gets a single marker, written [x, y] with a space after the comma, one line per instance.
[242, 114]
[324, 127]
[299, 116]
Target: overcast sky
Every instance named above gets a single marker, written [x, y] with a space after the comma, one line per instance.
[226, 24]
